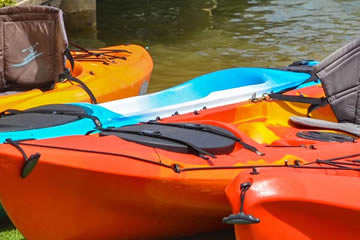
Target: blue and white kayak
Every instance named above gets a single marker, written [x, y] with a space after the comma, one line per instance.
[209, 90]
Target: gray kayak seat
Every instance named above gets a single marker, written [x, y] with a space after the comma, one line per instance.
[317, 123]
[339, 74]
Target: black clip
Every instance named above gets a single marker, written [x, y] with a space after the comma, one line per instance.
[176, 168]
[254, 172]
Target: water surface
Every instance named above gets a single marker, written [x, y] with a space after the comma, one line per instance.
[187, 38]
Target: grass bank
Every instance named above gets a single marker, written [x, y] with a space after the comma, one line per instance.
[8, 231]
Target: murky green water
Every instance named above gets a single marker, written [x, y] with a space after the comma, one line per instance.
[187, 38]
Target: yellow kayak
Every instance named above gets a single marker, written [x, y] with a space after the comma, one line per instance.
[110, 73]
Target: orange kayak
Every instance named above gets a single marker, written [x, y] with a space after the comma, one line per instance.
[119, 72]
[156, 180]
[314, 201]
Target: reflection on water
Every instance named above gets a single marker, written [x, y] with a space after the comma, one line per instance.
[188, 38]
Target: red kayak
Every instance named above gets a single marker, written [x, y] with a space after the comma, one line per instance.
[314, 201]
[156, 180]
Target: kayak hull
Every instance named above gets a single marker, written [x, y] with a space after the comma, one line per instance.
[131, 207]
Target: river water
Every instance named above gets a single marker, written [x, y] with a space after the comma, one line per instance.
[187, 38]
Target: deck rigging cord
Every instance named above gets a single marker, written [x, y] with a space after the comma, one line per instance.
[106, 56]
[317, 164]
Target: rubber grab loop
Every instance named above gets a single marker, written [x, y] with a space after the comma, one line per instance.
[29, 162]
[241, 217]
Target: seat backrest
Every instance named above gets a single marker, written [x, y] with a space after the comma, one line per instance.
[339, 74]
[32, 45]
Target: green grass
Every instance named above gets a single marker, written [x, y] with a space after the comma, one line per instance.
[6, 3]
[8, 231]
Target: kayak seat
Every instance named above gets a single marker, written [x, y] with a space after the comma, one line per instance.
[39, 117]
[177, 137]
